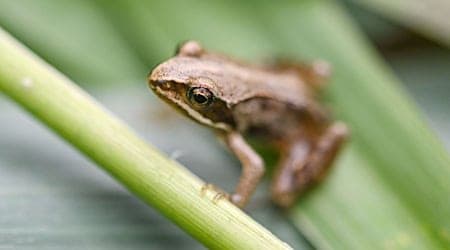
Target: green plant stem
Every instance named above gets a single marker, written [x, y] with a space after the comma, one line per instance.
[162, 183]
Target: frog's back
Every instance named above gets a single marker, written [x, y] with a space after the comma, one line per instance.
[269, 102]
[282, 87]
[245, 82]
[235, 82]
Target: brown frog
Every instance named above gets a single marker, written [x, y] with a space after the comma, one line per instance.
[276, 103]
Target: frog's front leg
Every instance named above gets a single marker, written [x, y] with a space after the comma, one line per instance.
[252, 168]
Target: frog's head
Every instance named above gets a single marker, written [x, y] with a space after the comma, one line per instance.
[186, 82]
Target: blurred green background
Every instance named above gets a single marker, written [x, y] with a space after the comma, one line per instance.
[51, 197]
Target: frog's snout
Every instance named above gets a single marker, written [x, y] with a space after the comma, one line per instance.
[154, 78]
[160, 86]
[153, 84]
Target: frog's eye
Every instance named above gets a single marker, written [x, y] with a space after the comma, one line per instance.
[189, 48]
[200, 96]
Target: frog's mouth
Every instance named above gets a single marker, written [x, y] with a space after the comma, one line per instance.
[166, 91]
[173, 93]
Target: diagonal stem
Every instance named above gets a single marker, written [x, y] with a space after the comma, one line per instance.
[164, 184]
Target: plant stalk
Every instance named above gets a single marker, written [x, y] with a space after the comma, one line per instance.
[162, 183]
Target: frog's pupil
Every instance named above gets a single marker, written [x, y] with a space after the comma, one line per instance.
[199, 98]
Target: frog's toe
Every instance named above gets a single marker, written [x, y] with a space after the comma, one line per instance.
[238, 200]
[284, 199]
[219, 193]
[219, 196]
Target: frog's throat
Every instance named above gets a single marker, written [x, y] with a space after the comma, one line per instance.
[194, 114]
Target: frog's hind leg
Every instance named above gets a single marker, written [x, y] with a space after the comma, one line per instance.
[293, 156]
[306, 163]
[322, 157]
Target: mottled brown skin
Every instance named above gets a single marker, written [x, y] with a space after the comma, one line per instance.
[277, 103]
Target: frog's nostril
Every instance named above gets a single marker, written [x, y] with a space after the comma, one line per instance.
[156, 83]
[161, 84]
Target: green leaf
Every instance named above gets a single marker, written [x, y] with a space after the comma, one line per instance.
[398, 150]
[390, 187]
[429, 18]
[75, 37]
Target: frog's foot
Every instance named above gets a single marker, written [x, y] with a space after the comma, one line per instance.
[284, 198]
[305, 164]
[219, 193]
[293, 157]
[220, 196]
[322, 157]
